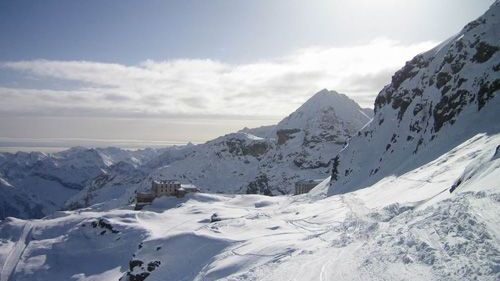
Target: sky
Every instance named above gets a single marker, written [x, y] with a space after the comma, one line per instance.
[149, 73]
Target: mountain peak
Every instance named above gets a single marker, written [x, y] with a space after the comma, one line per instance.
[337, 106]
[323, 92]
[327, 98]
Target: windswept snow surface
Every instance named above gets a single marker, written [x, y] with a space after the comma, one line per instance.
[408, 227]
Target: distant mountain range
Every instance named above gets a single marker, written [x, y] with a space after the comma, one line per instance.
[35, 184]
[269, 162]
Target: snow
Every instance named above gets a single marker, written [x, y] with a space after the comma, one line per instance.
[324, 100]
[15, 253]
[401, 203]
[397, 228]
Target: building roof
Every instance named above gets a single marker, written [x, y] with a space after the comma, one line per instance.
[167, 181]
[144, 197]
[310, 181]
[143, 194]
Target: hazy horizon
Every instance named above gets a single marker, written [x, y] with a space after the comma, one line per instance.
[155, 133]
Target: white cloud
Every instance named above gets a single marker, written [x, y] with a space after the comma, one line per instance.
[204, 87]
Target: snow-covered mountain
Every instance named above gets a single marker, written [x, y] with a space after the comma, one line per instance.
[262, 131]
[414, 196]
[438, 100]
[35, 184]
[306, 139]
[298, 147]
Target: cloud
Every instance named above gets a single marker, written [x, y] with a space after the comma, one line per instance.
[365, 83]
[204, 87]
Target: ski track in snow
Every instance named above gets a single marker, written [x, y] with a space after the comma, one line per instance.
[16, 253]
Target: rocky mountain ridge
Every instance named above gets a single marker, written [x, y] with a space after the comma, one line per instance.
[436, 101]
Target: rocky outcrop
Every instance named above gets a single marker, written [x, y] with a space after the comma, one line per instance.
[285, 134]
[259, 186]
[438, 99]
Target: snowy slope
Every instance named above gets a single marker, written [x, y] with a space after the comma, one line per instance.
[403, 228]
[436, 101]
[123, 173]
[34, 184]
[17, 203]
[262, 131]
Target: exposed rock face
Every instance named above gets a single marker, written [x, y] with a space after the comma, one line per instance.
[286, 134]
[144, 270]
[255, 149]
[435, 101]
[259, 186]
